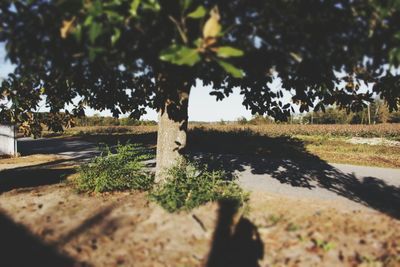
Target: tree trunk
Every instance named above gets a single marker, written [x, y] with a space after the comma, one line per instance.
[172, 134]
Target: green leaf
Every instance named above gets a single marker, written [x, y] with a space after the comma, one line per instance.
[94, 31]
[228, 51]
[152, 5]
[88, 20]
[134, 7]
[185, 4]
[93, 52]
[198, 13]
[180, 55]
[113, 16]
[198, 42]
[232, 70]
[78, 33]
[115, 37]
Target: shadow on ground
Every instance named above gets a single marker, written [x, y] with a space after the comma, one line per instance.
[283, 158]
[32, 176]
[20, 248]
[234, 245]
[287, 160]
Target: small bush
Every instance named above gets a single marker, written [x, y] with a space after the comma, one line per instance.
[123, 170]
[188, 186]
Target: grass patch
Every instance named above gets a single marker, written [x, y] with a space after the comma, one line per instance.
[188, 186]
[123, 170]
[338, 150]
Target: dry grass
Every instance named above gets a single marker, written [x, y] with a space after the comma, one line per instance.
[272, 142]
[328, 142]
[386, 130]
[338, 150]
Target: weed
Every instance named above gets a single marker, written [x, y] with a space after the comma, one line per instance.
[123, 170]
[324, 245]
[188, 186]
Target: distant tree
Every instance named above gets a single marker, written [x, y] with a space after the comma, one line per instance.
[259, 120]
[125, 55]
[242, 120]
[332, 115]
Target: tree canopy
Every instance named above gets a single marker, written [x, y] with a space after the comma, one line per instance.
[125, 55]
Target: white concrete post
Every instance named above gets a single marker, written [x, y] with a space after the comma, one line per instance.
[8, 140]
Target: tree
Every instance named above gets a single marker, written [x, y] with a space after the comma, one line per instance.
[124, 55]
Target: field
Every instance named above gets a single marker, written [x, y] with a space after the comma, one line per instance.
[386, 130]
[348, 144]
[318, 217]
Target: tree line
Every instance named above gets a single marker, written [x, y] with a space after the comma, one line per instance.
[97, 120]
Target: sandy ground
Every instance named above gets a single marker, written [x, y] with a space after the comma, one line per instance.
[125, 229]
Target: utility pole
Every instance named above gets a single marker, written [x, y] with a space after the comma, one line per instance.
[369, 113]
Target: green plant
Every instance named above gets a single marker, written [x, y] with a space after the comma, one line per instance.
[188, 186]
[291, 227]
[275, 219]
[123, 170]
[324, 245]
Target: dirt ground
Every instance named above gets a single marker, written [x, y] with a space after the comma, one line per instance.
[31, 160]
[43, 222]
[51, 225]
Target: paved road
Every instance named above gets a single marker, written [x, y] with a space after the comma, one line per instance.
[73, 147]
[356, 186]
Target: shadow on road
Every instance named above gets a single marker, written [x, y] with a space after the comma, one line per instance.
[287, 160]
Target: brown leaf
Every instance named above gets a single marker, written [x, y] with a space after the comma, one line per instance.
[67, 27]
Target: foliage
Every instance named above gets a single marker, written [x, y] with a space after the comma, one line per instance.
[242, 120]
[377, 112]
[188, 186]
[255, 120]
[125, 55]
[123, 170]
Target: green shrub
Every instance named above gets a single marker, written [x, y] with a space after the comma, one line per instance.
[123, 170]
[188, 186]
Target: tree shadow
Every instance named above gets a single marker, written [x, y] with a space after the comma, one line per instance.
[234, 245]
[287, 160]
[20, 248]
[97, 218]
[32, 176]
[148, 139]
